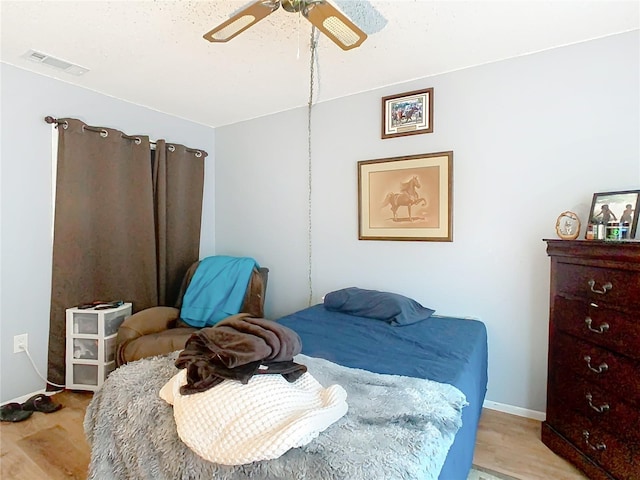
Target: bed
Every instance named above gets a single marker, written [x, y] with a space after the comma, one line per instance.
[443, 349]
[415, 394]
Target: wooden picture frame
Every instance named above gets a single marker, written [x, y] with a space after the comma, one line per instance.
[406, 198]
[409, 113]
[616, 206]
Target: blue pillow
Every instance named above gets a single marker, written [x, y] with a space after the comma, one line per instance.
[390, 307]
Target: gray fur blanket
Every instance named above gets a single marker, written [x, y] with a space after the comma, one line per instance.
[396, 428]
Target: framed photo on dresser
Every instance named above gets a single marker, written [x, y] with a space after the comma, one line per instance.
[621, 207]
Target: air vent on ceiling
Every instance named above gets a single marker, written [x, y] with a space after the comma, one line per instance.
[54, 62]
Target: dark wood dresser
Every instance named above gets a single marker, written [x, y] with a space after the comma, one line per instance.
[593, 387]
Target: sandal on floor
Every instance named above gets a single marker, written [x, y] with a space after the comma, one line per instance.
[12, 412]
[41, 403]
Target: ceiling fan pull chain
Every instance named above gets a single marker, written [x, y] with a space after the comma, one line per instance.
[309, 232]
[298, 52]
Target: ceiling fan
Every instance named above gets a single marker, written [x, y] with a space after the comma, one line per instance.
[322, 14]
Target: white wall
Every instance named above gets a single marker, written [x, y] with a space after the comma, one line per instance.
[532, 137]
[26, 207]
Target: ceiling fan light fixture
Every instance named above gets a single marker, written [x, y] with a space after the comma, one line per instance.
[322, 14]
[293, 6]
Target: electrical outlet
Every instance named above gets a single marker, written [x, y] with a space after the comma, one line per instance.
[20, 343]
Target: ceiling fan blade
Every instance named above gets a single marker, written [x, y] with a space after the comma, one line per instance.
[242, 20]
[334, 24]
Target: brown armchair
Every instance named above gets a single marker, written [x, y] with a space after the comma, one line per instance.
[159, 330]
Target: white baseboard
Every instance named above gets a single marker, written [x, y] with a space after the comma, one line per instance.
[519, 411]
[26, 397]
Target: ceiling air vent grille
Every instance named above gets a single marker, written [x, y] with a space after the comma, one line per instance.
[54, 62]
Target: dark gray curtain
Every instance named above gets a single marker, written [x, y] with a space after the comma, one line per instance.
[178, 180]
[106, 238]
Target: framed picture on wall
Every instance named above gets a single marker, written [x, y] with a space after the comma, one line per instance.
[408, 113]
[406, 198]
[621, 207]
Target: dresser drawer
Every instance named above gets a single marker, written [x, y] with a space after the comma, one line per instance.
[620, 457]
[605, 411]
[610, 372]
[614, 329]
[611, 286]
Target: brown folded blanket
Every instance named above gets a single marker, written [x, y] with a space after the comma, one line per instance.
[235, 348]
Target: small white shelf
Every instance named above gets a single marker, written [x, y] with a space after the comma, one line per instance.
[91, 345]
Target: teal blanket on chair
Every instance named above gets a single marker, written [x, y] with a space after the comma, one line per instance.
[217, 290]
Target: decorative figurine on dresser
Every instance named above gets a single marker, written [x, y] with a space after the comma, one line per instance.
[593, 389]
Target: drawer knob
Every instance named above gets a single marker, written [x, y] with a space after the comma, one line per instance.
[598, 446]
[601, 329]
[603, 367]
[605, 288]
[601, 409]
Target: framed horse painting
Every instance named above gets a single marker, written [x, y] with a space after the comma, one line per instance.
[406, 198]
[408, 113]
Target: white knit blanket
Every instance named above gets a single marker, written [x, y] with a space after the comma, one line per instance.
[234, 423]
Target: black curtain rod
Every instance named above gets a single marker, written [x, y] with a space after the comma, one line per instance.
[51, 120]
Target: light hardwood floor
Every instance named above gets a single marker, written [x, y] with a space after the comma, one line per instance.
[53, 446]
[510, 444]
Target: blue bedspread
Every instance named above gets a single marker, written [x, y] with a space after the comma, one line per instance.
[443, 349]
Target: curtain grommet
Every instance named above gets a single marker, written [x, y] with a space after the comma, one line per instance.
[65, 125]
[138, 141]
[104, 133]
[171, 148]
[198, 154]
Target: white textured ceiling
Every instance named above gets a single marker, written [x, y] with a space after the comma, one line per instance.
[152, 53]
